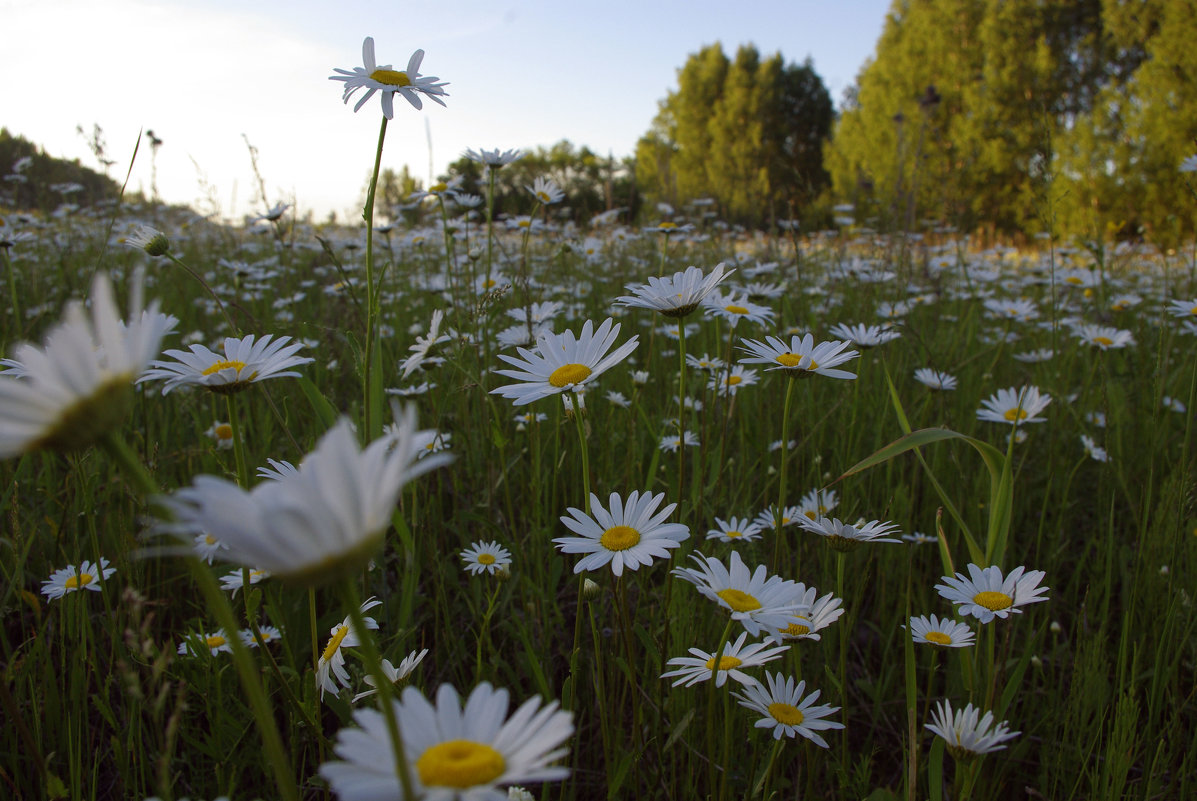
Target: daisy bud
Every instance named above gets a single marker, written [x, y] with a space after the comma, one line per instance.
[1036, 662]
[590, 590]
[1055, 627]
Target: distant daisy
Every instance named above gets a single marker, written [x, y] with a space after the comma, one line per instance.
[563, 362]
[1034, 356]
[801, 357]
[789, 517]
[396, 675]
[1173, 404]
[222, 433]
[700, 665]
[87, 576]
[737, 529]
[817, 503]
[245, 361]
[785, 709]
[733, 309]
[1183, 308]
[627, 533]
[494, 158]
[933, 379]
[1094, 451]
[454, 750]
[843, 537]
[671, 442]
[546, 191]
[986, 594]
[214, 643]
[485, 557]
[332, 661]
[967, 733]
[945, 633]
[865, 336]
[677, 295]
[1014, 406]
[235, 579]
[373, 78]
[919, 538]
[1105, 337]
[730, 382]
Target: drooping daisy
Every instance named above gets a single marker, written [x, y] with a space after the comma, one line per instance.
[700, 666]
[396, 675]
[677, 295]
[816, 616]
[325, 520]
[801, 358]
[628, 534]
[843, 537]
[967, 733]
[563, 363]
[737, 529]
[986, 594]
[452, 752]
[933, 379]
[485, 557]
[373, 78]
[245, 361]
[759, 602]
[332, 661]
[1104, 337]
[87, 576]
[786, 710]
[945, 633]
[77, 386]
[152, 241]
[1014, 406]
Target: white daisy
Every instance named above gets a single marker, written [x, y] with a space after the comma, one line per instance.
[215, 642]
[546, 191]
[1014, 406]
[945, 633]
[986, 594]
[244, 361]
[865, 336]
[332, 661]
[373, 78]
[563, 363]
[816, 616]
[1104, 337]
[760, 602]
[700, 666]
[485, 557]
[452, 752]
[933, 379]
[786, 711]
[1095, 451]
[77, 386]
[396, 675]
[737, 529]
[969, 734]
[842, 536]
[677, 295]
[87, 576]
[802, 357]
[628, 534]
[235, 579]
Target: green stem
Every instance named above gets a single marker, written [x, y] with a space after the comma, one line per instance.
[238, 445]
[712, 772]
[371, 294]
[779, 514]
[207, 288]
[681, 414]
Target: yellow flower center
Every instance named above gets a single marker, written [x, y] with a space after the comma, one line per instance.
[786, 714]
[460, 764]
[937, 637]
[725, 662]
[1193, 310]
[734, 534]
[210, 540]
[225, 364]
[224, 431]
[732, 380]
[1072, 279]
[619, 538]
[215, 641]
[334, 644]
[1103, 341]
[81, 580]
[525, 223]
[391, 77]
[439, 186]
[789, 359]
[810, 513]
[739, 600]
[486, 558]
[544, 197]
[667, 226]
[568, 374]
[733, 309]
[993, 601]
[1015, 414]
[796, 630]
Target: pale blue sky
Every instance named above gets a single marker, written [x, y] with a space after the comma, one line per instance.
[521, 73]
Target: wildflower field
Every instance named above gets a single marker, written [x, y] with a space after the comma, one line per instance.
[496, 505]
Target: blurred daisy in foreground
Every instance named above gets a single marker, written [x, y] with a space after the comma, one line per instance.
[967, 733]
[87, 576]
[759, 602]
[677, 295]
[563, 362]
[323, 521]
[986, 594]
[485, 557]
[77, 386]
[785, 709]
[1014, 406]
[627, 533]
[801, 358]
[245, 361]
[1183, 308]
[944, 633]
[332, 662]
[452, 752]
[396, 675]
[933, 379]
[700, 666]
[373, 78]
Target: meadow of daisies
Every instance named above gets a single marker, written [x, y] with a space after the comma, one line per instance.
[491, 505]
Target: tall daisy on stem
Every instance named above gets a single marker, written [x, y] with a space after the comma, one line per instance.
[412, 86]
